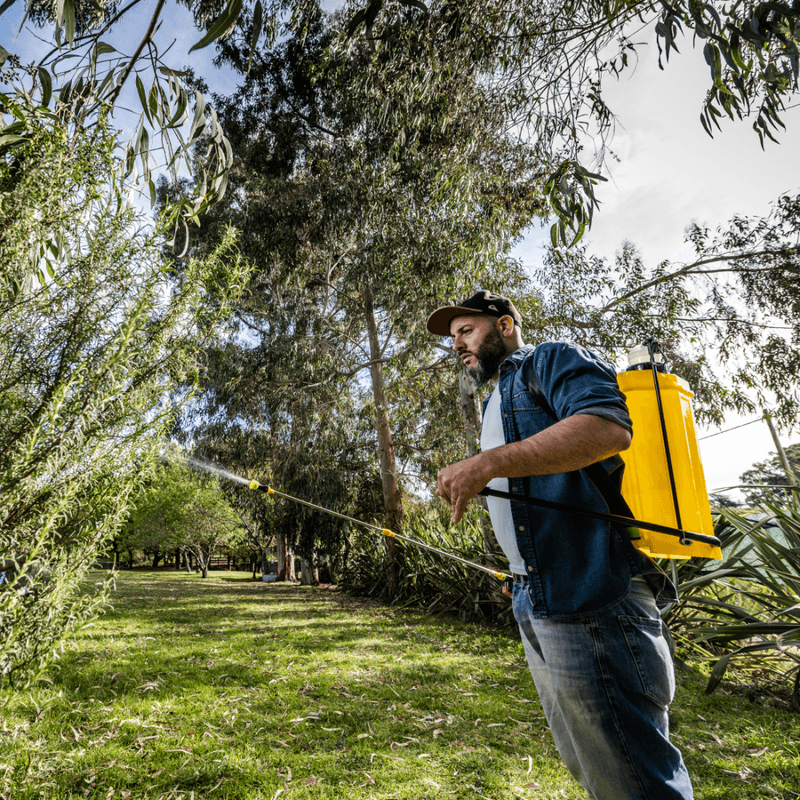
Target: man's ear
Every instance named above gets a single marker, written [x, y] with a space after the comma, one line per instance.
[505, 326]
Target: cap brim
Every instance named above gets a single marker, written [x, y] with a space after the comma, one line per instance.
[439, 321]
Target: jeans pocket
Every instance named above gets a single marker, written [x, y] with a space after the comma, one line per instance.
[650, 653]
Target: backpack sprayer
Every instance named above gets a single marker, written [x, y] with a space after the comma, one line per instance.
[665, 484]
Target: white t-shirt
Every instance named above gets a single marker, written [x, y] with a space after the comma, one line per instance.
[500, 510]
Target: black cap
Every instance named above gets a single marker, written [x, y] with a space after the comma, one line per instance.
[484, 302]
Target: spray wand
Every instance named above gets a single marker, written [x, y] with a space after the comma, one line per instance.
[501, 576]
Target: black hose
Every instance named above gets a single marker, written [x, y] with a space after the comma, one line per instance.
[615, 518]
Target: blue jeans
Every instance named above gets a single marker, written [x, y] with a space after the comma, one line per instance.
[605, 681]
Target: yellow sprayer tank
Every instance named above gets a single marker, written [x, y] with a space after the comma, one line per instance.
[646, 484]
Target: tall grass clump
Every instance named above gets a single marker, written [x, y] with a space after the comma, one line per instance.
[429, 580]
[746, 608]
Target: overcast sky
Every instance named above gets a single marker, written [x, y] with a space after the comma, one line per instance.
[669, 173]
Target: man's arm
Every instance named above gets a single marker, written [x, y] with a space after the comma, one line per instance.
[568, 445]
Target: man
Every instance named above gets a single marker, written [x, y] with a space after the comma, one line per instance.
[583, 596]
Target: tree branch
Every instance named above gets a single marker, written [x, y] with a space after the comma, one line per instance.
[134, 58]
[689, 268]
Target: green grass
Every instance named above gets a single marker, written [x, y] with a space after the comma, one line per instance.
[229, 688]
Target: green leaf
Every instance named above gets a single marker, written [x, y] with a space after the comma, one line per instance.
[173, 72]
[69, 19]
[11, 140]
[711, 53]
[180, 112]
[356, 22]
[65, 91]
[143, 98]
[718, 673]
[47, 86]
[152, 100]
[199, 121]
[223, 23]
[258, 22]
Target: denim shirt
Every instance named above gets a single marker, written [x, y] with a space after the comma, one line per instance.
[575, 565]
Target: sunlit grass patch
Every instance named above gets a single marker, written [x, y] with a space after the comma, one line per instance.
[228, 688]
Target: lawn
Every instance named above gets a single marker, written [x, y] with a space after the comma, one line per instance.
[229, 688]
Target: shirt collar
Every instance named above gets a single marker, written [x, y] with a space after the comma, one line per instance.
[516, 358]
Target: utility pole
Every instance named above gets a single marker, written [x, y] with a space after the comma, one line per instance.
[781, 453]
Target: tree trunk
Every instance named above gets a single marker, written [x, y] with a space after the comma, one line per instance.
[309, 573]
[203, 560]
[392, 498]
[285, 559]
[186, 561]
[471, 410]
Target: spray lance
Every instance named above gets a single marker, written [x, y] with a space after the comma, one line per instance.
[685, 536]
[501, 576]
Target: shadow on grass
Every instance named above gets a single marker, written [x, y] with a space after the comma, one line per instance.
[171, 635]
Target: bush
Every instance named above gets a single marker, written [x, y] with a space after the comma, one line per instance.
[748, 605]
[428, 580]
[94, 336]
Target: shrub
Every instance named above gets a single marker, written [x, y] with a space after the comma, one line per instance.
[429, 580]
[748, 605]
[94, 336]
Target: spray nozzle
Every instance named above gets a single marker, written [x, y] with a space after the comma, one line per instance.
[255, 485]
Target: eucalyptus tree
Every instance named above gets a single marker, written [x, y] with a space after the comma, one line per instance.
[96, 79]
[93, 341]
[545, 64]
[354, 240]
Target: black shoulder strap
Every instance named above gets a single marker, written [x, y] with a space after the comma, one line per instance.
[611, 494]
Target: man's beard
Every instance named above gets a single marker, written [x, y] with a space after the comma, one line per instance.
[489, 356]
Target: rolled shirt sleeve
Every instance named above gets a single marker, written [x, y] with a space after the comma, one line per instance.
[576, 381]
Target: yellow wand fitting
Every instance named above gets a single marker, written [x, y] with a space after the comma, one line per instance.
[387, 532]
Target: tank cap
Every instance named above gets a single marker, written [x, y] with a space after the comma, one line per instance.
[641, 355]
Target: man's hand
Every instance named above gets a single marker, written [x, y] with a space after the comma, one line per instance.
[460, 482]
